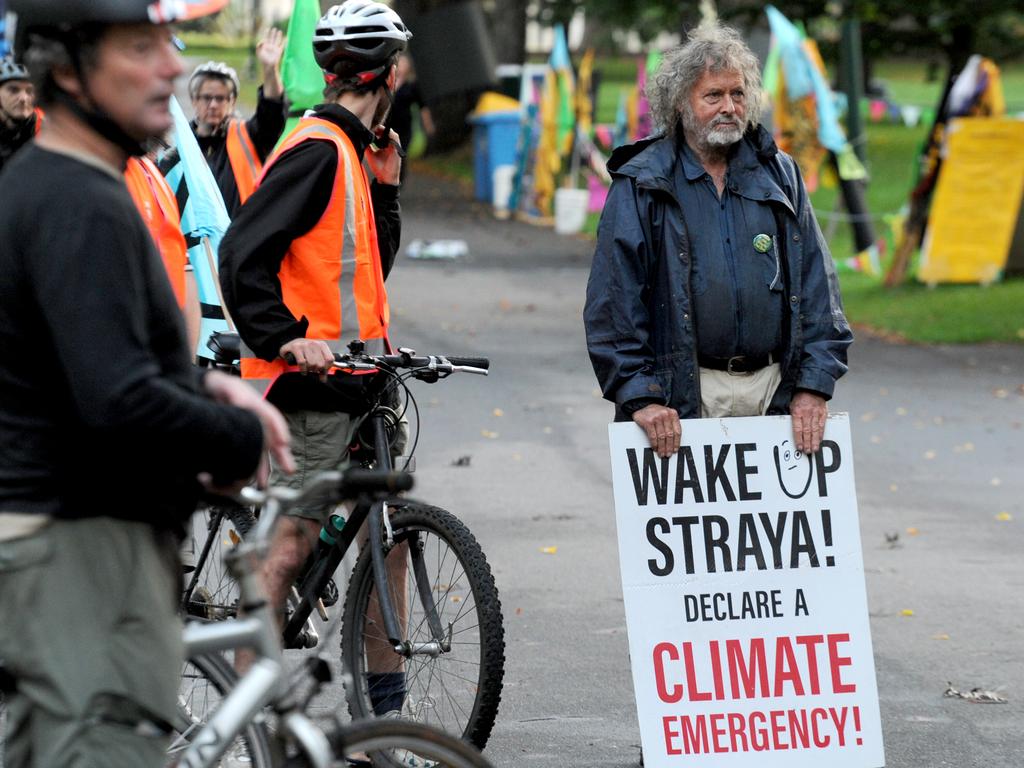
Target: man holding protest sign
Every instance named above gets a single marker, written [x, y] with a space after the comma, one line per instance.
[712, 291]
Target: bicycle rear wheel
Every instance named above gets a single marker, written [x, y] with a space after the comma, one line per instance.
[391, 742]
[205, 681]
[214, 594]
[459, 688]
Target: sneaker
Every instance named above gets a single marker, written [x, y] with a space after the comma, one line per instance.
[404, 757]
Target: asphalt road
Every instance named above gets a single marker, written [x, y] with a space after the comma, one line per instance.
[937, 434]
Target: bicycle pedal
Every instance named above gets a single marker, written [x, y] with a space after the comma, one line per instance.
[330, 594]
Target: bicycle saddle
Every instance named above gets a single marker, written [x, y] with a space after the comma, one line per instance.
[226, 347]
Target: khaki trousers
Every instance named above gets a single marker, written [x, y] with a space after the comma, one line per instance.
[724, 394]
[89, 629]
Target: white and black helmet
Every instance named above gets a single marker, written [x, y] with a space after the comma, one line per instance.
[11, 70]
[216, 69]
[358, 37]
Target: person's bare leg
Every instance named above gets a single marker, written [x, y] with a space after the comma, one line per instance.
[292, 543]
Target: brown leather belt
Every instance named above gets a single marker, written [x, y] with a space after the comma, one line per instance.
[737, 364]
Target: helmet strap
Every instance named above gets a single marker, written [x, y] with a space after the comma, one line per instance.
[95, 116]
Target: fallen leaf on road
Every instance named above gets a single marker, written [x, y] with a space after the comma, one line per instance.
[1004, 517]
[912, 531]
[907, 612]
[456, 599]
[549, 550]
[975, 695]
[894, 487]
[901, 411]
[519, 611]
[498, 412]
[869, 416]
[517, 457]
[462, 461]
[505, 305]
[488, 434]
[1000, 393]
[893, 540]
[929, 455]
[875, 439]
[940, 636]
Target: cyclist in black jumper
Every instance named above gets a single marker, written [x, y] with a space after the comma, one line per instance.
[99, 405]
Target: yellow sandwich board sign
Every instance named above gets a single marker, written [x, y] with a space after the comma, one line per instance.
[977, 202]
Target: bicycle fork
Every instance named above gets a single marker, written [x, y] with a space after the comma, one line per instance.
[378, 521]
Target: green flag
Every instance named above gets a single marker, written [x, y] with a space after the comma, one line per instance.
[303, 79]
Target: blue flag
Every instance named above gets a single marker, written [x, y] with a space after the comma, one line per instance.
[5, 48]
[203, 222]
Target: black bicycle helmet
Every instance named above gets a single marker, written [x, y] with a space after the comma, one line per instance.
[66, 23]
[11, 70]
[356, 41]
[65, 14]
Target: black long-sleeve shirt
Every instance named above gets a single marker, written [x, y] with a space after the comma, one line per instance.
[289, 202]
[99, 406]
[265, 127]
[15, 135]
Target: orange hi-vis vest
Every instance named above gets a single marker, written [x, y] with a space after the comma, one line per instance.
[40, 116]
[159, 209]
[245, 160]
[332, 275]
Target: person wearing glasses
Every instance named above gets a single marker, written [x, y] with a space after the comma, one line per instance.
[235, 148]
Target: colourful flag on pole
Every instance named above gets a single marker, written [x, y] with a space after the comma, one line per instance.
[203, 223]
[5, 48]
[302, 76]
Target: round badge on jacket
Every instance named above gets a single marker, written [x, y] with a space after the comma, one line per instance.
[762, 243]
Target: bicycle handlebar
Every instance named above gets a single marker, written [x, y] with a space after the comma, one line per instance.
[407, 358]
[332, 486]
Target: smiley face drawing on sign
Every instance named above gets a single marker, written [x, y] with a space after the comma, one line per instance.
[788, 463]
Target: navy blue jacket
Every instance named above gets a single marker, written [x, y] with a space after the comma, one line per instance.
[639, 317]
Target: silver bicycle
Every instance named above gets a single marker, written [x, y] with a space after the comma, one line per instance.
[260, 719]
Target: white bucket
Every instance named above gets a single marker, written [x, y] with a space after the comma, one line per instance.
[570, 210]
[501, 189]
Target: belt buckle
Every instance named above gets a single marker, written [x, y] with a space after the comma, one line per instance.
[729, 368]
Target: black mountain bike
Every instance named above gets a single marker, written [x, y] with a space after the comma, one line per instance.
[443, 625]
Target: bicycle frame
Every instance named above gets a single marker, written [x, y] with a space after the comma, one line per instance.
[263, 683]
[323, 569]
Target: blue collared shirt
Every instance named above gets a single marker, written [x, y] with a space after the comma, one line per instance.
[737, 290]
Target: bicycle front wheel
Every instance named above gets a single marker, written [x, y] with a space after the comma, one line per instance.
[396, 742]
[452, 682]
[205, 681]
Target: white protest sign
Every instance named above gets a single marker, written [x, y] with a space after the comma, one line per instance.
[745, 602]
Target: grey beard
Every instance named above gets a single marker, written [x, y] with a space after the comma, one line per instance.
[722, 138]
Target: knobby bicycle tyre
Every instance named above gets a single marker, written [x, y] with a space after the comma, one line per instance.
[457, 691]
[390, 742]
[215, 596]
[205, 681]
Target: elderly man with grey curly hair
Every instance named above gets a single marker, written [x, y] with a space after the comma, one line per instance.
[712, 291]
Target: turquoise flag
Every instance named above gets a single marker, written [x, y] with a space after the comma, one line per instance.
[302, 76]
[203, 223]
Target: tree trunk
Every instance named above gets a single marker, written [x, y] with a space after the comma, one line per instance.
[508, 31]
